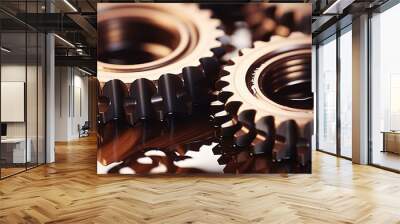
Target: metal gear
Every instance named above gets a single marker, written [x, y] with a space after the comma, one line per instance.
[268, 99]
[268, 19]
[139, 40]
[155, 59]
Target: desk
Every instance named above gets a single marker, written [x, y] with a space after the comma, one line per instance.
[13, 150]
[391, 141]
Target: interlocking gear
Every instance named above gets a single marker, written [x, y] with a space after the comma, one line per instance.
[149, 40]
[268, 19]
[166, 56]
[268, 98]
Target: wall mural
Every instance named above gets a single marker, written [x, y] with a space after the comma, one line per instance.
[210, 88]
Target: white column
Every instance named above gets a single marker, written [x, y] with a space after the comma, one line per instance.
[360, 90]
[314, 91]
[50, 92]
[50, 99]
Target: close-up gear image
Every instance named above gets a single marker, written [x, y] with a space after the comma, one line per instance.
[204, 88]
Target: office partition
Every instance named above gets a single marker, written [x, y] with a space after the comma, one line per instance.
[22, 78]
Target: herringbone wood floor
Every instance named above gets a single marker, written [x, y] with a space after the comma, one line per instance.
[69, 191]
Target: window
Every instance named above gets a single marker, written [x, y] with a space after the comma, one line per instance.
[327, 95]
[345, 43]
[385, 89]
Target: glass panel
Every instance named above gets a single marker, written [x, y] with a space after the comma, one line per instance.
[327, 96]
[346, 93]
[385, 89]
[22, 89]
[13, 86]
[31, 98]
[31, 88]
[41, 98]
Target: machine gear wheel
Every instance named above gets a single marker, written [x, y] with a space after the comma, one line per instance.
[155, 59]
[139, 40]
[268, 19]
[268, 98]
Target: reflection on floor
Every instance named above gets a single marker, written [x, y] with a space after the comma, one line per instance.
[69, 191]
[387, 159]
[175, 147]
[11, 169]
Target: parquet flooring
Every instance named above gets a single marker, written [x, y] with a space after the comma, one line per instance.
[11, 170]
[69, 191]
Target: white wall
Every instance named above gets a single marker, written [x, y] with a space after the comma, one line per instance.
[80, 110]
[70, 83]
[33, 126]
[61, 103]
[14, 73]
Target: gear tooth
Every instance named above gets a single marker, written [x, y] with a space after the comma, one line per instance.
[206, 54]
[221, 117]
[191, 6]
[224, 73]
[228, 88]
[219, 33]
[221, 114]
[229, 100]
[297, 35]
[224, 79]
[208, 13]
[276, 38]
[223, 96]
[216, 106]
[244, 51]
[214, 22]
[234, 98]
[215, 44]
[235, 60]
[229, 69]
[244, 107]
[247, 117]
[244, 136]
[232, 107]
[221, 84]
[227, 124]
[217, 103]
[229, 128]
[258, 117]
[258, 44]
[279, 120]
[227, 78]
